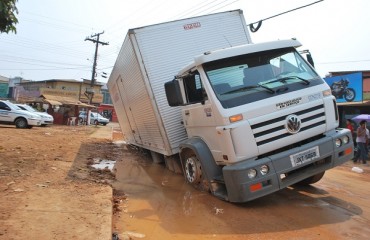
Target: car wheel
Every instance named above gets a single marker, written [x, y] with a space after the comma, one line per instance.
[21, 123]
[96, 122]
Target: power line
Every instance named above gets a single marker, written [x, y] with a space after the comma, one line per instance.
[259, 23]
[349, 61]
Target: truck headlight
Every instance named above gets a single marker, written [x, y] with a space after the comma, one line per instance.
[264, 169]
[345, 139]
[338, 142]
[252, 173]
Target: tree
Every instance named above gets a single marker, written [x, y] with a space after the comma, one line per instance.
[7, 16]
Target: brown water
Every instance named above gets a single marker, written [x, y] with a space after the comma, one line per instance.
[160, 205]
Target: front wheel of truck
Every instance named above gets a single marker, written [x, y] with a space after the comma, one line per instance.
[193, 172]
[311, 180]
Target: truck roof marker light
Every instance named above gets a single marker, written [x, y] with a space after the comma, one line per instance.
[236, 118]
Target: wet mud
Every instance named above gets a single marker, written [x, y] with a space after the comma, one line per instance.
[158, 204]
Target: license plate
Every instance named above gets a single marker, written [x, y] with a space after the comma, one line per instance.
[304, 156]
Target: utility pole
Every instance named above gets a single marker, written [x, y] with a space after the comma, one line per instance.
[90, 92]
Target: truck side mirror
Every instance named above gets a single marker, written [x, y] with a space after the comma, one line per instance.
[310, 59]
[173, 93]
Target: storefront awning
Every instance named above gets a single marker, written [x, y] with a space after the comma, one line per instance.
[59, 100]
[53, 102]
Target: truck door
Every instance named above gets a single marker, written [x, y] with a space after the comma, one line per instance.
[126, 104]
[198, 114]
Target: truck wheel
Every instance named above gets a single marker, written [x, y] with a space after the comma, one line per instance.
[193, 173]
[311, 180]
[21, 123]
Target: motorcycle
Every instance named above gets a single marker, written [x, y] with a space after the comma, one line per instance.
[341, 90]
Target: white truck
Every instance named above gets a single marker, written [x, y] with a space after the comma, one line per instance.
[241, 122]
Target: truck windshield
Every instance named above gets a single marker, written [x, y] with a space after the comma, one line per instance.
[252, 77]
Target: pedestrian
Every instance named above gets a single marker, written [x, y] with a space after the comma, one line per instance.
[350, 127]
[361, 140]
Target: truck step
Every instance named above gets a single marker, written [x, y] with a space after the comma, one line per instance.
[218, 189]
[218, 179]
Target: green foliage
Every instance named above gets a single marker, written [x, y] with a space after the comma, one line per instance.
[7, 16]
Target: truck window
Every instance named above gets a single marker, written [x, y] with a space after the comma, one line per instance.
[193, 88]
[252, 77]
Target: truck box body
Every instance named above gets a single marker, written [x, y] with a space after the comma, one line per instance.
[153, 55]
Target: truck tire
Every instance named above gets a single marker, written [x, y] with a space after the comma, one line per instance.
[193, 172]
[21, 123]
[311, 180]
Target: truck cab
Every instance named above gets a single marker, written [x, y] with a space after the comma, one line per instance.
[258, 119]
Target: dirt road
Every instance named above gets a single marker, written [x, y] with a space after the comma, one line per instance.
[45, 169]
[47, 190]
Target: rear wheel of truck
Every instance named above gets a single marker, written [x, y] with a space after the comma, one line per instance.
[311, 180]
[193, 172]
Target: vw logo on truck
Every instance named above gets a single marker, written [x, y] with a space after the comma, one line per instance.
[293, 124]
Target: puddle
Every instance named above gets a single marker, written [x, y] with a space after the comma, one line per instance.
[103, 164]
[160, 205]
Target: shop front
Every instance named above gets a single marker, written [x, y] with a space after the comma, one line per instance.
[65, 110]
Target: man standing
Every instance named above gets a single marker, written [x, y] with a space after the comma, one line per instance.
[362, 142]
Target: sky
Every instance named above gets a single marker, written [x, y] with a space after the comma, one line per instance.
[50, 40]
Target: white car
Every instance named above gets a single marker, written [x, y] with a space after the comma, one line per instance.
[95, 118]
[46, 118]
[11, 114]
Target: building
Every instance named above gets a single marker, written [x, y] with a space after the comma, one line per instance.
[352, 91]
[62, 98]
[4, 87]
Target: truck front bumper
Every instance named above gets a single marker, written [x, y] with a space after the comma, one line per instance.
[283, 171]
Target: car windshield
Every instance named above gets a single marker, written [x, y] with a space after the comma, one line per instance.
[28, 108]
[12, 105]
[252, 77]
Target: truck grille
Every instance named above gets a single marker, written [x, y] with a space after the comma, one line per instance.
[310, 118]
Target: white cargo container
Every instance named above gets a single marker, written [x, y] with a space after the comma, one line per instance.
[151, 56]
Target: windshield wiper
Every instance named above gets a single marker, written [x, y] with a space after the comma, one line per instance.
[283, 80]
[247, 88]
